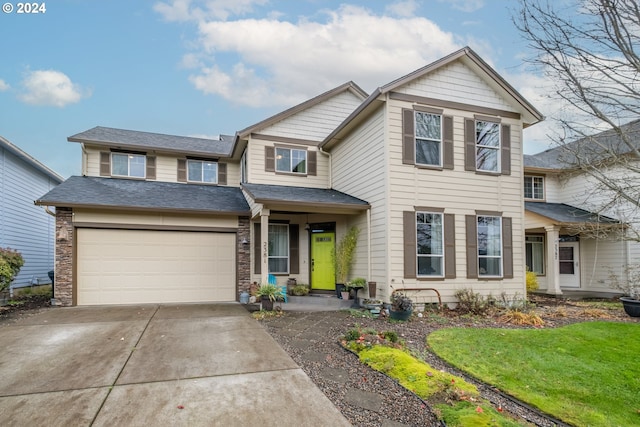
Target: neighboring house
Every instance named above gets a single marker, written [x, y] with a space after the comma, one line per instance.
[573, 230]
[428, 167]
[24, 226]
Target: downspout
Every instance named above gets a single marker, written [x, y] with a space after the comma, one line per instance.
[84, 160]
[330, 165]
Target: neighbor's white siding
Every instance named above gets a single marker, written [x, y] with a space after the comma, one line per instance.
[24, 226]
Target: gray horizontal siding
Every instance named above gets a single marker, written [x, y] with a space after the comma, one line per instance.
[24, 226]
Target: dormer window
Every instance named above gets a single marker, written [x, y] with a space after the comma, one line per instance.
[202, 171]
[291, 160]
[534, 187]
[128, 164]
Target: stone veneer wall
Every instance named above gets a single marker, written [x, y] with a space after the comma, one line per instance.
[63, 279]
[243, 260]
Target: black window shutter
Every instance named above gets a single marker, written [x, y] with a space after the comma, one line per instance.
[447, 140]
[269, 159]
[469, 145]
[294, 249]
[222, 174]
[472, 246]
[449, 246]
[408, 138]
[506, 150]
[409, 242]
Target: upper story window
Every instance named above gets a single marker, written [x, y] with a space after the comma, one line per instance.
[430, 244]
[291, 160]
[127, 164]
[428, 139]
[487, 146]
[534, 187]
[202, 171]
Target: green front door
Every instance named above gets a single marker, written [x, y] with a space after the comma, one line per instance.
[322, 270]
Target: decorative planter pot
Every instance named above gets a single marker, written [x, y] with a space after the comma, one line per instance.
[339, 289]
[344, 294]
[267, 304]
[631, 306]
[400, 315]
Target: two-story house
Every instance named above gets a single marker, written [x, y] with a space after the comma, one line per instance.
[577, 233]
[428, 167]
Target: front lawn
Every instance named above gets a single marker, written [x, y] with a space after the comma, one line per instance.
[586, 374]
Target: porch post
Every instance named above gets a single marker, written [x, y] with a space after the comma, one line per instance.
[553, 263]
[264, 245]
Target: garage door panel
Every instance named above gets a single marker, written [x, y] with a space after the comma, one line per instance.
[142, 266]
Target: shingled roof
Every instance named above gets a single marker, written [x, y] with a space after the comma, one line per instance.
[85, 191]
[564, 213]
[143, 141]
[593, 148]
[262, 193]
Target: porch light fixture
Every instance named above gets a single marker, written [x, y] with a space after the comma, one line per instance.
[245, 241]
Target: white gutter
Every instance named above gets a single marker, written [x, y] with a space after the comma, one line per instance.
[321, 150]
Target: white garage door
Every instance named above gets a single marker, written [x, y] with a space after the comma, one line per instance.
[142, 266]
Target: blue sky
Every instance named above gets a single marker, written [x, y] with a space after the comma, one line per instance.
[205, 67]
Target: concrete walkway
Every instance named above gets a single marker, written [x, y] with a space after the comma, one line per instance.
[160, 365]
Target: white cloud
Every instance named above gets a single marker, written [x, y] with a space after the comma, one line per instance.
[50, 87]
[281, 63]
[188, 10]
[4, 85]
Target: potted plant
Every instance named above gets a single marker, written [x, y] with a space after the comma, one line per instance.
[343, 257]
[300, 290]
[268, 294]
[630, 288]
[355, 285]
[401, 306]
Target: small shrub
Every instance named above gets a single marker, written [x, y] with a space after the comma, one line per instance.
[532, 281]
[300, 290]
[472, 303]
[11, 262]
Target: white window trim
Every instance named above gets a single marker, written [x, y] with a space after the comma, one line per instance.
[129, 156]
[201, 180]
[441, 256]
[498, 148]
[533, 187]
[501, 257]
[290, 170]
[416, 138]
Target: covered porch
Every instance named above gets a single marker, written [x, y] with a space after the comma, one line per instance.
[571, 250]
[295, 230]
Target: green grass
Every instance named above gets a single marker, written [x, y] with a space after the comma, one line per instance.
[586, 374]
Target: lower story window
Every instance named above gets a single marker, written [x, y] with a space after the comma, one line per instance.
[278, 248]
[430, 244]
[489, 246]
[534, 247]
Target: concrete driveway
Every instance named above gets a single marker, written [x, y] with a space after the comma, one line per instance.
[152, 365]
